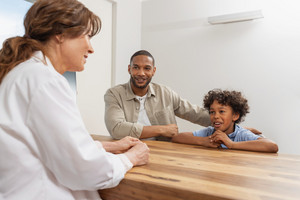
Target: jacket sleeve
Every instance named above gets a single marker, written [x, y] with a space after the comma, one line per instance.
[64, 145]
[115, 120]
[185, 110]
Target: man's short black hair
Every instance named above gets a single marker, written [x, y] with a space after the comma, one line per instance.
[144, 53]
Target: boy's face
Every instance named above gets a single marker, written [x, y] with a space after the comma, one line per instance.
[222, 117]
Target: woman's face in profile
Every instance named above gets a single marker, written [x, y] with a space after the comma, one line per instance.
[75, 51]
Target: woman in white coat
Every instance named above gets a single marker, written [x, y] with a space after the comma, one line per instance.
[45, 149]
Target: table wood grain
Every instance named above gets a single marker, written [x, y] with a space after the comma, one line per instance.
[190, 172]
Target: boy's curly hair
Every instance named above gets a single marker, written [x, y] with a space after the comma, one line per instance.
[234, 99]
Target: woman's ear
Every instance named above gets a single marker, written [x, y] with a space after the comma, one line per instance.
[59, 38]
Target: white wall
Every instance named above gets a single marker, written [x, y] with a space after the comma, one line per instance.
[128, 38]
[261, 58]
[120, 35]
[96, 77]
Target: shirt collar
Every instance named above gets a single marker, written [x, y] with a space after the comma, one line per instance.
[40, 57]
[151, 91]
[233, 134]
[130, 95]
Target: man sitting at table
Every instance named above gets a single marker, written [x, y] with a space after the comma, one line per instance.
[226, 110]
[143, 109]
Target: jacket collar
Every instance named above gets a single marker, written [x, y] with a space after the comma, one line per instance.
[130, 95]
[233, 134]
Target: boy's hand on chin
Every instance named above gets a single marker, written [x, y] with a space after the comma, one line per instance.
[221, 138]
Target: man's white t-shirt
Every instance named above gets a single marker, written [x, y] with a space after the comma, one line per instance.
[143, 117]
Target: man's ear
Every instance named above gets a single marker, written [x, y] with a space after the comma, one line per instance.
[129, 67]
[154, 70]
[236, 116]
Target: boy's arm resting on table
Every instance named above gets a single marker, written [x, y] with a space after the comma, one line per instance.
[261, 145]
[189, 138]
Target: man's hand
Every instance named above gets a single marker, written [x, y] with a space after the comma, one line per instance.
[170, 130]
[253, 130]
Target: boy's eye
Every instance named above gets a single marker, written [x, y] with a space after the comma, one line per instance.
[222, 111]
[211, 112]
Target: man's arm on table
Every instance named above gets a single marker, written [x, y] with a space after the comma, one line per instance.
[169, 130]
[119, 128]
[115, 120]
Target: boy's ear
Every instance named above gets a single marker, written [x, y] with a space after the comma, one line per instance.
[236, 116]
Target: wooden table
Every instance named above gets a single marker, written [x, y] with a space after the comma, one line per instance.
[188, 172]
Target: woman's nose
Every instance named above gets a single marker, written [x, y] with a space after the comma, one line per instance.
[91, 49]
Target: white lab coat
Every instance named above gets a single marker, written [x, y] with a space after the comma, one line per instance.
[45, 149]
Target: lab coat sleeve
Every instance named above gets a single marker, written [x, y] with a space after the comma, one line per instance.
[65, 147]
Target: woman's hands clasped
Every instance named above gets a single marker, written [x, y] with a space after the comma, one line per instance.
[138, 154]
[126, 143]
[136, 151]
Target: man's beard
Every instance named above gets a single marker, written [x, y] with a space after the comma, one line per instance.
[132, 80]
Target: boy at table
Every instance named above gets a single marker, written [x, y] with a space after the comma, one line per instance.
[226, 110]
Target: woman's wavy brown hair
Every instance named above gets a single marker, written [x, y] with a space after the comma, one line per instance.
[43, 20]
[234, 99]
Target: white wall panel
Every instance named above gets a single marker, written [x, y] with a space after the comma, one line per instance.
[260, 58]
[93, 82]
